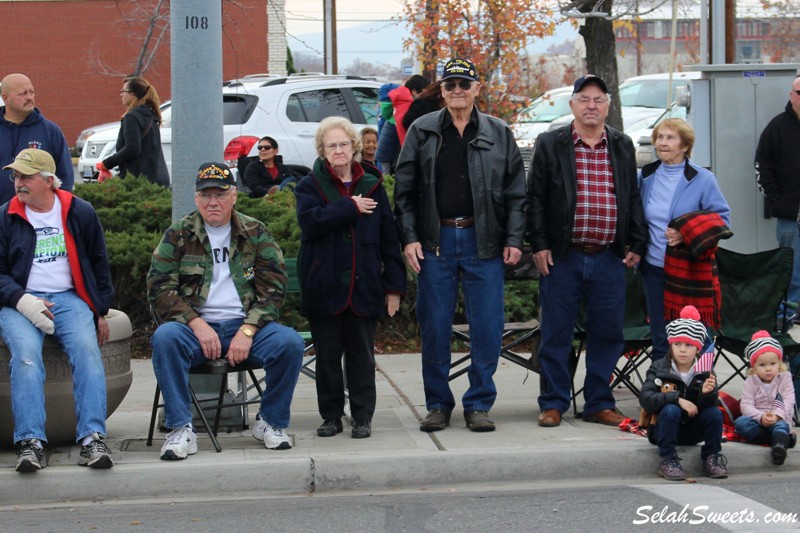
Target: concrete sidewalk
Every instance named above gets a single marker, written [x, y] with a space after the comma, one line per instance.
[397, 456]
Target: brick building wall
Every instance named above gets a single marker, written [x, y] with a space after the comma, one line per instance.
[76, 52]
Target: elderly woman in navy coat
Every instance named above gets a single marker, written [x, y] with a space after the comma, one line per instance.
[351, 272]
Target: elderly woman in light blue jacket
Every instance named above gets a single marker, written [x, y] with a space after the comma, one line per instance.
[670, 187]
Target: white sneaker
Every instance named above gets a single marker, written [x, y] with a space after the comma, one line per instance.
[274, 439]
[181, 443]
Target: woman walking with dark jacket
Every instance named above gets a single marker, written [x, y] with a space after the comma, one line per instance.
[139, 140]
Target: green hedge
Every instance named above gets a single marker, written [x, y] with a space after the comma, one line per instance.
[135, 214]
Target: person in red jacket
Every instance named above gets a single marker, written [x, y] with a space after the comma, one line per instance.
[402, 97]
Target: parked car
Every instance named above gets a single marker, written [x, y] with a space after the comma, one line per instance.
[651, 90]
[288, 109]
[88, 132]
[536, 118]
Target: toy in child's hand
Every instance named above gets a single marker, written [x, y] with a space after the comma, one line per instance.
[647, 418]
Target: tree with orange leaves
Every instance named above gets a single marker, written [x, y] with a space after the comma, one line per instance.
[493, 34]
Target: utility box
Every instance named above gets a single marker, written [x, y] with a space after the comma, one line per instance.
[729, 107]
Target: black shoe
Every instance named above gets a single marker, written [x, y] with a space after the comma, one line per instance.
[780, 441]
[792, 440]
[436, 420]
[478, 421]
[361, 430]
[329, 428]
[30, 456]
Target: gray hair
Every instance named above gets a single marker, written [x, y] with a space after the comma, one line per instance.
[56, 184]
[342, 123]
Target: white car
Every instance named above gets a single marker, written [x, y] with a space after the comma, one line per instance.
[536, 118]
[651, 90]
[287, 109]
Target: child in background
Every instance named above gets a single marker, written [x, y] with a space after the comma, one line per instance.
[688, 415]
[767, 398]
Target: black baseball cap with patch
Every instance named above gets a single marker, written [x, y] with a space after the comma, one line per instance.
[589, 79]
[214, 176]
[460, 68]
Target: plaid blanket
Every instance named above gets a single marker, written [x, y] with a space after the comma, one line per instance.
[690, 269]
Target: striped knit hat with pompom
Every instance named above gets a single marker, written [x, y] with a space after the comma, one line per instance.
[762, 343]
[687, 328]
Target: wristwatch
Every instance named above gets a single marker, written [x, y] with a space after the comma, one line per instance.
[248, 331]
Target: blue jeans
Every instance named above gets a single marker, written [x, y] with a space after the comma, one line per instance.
[754, 432]
[76, 333]
[437, 294]
[788, 236]
[600, 279]
[276, 348]
[675, 427]
[654, 281]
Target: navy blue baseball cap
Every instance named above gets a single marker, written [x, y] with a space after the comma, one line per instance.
[589, 79]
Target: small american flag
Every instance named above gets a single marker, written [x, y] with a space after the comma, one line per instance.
[778, 404]
[705, 363]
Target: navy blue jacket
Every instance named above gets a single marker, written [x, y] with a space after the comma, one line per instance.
[84, 236]
[33, 132]
[347, 260]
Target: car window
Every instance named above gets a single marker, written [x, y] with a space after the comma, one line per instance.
[648, 93]
[313, 106]
[367, 100]
[546, 109]
[237, 108]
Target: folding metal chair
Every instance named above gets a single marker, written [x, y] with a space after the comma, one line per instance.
[753, 287]
[514, 335]
[222, 368]
[293, 287]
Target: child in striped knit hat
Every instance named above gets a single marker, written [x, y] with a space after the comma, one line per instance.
[688, 414]
[767, 398]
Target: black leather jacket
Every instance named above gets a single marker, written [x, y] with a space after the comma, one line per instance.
[497, 177]
[552, 192]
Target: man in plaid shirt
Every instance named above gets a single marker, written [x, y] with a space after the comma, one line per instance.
[585, 225]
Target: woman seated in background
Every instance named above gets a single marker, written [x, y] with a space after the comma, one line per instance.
[369, 145]
[672, 189]
[267, 173]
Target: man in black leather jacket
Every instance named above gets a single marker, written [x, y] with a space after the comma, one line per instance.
[460, 207]
[585, 226]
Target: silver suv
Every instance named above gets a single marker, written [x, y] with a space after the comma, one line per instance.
[287, 109]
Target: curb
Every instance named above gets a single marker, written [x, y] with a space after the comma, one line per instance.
[252, 472]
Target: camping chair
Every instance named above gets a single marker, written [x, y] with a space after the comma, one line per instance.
[636, 331]
[293, 286]
[753, 287]
[222, 368]
[515, 334]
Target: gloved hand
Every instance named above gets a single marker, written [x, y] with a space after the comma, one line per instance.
[34, 310]
[103, 173]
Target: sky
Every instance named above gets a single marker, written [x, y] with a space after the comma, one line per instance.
[304, 19]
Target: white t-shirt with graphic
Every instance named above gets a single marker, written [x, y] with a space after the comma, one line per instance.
[223, 301]
[50, 270]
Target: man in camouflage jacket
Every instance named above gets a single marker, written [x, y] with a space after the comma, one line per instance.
[216, 285]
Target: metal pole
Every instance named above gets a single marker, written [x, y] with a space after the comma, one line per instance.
[196, 71]
[718, 32]
[329, 15]
[704, 32]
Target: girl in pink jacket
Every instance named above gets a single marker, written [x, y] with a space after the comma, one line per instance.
[767, 398]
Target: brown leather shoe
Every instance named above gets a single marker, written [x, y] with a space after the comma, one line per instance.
[550, 418]
[607, 417]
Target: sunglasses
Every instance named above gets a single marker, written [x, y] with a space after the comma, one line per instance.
[266, 147]
[465, 85]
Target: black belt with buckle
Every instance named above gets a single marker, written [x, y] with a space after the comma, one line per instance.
[588, 249]
[460, 222]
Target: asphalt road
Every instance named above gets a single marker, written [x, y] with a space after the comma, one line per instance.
[756, 503]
